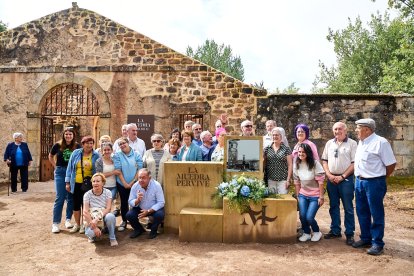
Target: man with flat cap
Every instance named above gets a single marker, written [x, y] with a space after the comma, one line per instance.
[374, 161]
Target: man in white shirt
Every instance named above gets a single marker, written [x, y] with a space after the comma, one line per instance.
[247, 128]
[267, 139]
[197, 132]
[338, 162]
[138, 145]
[124, 130]
[374, 161]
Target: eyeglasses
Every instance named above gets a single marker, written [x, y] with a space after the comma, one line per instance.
[248, 126]
[156, 141]
[198, 129]
[218, 126]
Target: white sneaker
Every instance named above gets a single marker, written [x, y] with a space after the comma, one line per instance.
[316, 236]
[82, 229]
[55, 228]
[74, 229]
[113, 242]
[68, 224]
[91, 240]
[305, 237]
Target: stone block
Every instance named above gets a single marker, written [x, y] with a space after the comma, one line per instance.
[274, 221]
[201, 225]
[188, 184]
[403, 147]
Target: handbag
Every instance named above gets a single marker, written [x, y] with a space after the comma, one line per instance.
[86, 183]
[96, 213]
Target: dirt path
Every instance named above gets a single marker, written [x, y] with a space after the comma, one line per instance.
[28, 247]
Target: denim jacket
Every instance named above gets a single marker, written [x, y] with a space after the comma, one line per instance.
[71, 169]
[194, 153]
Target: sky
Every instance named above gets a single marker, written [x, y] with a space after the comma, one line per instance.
[279, 42]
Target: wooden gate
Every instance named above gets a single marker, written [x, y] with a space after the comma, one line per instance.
[47, 137]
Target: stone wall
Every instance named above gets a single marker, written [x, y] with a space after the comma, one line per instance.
[394, 116]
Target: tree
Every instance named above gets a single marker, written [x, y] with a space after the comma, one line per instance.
[219, 57]
[370, 60]
[406, 7]
[3, 27]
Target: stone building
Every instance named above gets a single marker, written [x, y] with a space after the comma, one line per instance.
[78, 68]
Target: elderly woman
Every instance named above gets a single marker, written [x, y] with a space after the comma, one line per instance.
[278, 163]
[308, 177]
[218, 153]
[302, 136]
[127, 162]
[189, 151]
[154, 158]
[174, 148]
[59, 158]
[97, 210]
[105, 165]
[80, 166]
[175, 134]
[18, 158]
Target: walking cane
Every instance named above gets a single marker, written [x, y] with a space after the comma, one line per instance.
[9, 183]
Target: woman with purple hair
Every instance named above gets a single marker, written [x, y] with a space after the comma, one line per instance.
[302, 136]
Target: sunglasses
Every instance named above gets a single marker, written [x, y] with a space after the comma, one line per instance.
[336, 153]
[156, 141]
[198, 129]
[248, 126]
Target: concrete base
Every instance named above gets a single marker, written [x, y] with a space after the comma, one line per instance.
[201, 225]
[272, 222]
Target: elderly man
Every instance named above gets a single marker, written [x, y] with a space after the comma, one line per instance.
[374, 161]
[207, 147]
[138, 145]
[124, 130]
[247, 128]
[146, 199]
[268, 139]
[197, 131]
[338, 162]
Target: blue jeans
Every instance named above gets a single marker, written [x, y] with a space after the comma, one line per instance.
[61, 196]
[308, 206]
[124, 195]
[344, 191]
[110, 222]
[369, 199]
[132, 217]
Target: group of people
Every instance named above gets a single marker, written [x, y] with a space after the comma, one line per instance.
[126, 172]
[352, 169]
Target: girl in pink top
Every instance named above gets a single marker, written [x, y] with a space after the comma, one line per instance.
[308, 175]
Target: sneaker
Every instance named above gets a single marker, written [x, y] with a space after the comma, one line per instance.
[113, 242]
[331, 235]
[349, 240]
[305, 237]
[68, 224]
[82, 229]
[375, 250]
[361, 243]
[74, 229]
[122, 226]
[152, 235]
[135, 233]
[316, 236]
[91, 240]
[55, 228]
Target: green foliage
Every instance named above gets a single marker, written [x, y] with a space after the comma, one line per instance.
[372, 59]
[406, 7]
[219, 57]
[290, 89]
[3, 27]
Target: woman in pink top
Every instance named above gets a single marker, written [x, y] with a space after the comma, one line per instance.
[308, 175]
[302, 136]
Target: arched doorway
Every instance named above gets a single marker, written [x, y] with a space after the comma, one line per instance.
[66, 105]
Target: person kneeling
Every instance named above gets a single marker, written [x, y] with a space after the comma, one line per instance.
[97, 210]
[146, 199]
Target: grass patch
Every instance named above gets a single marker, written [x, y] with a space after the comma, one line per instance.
[400, 183]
